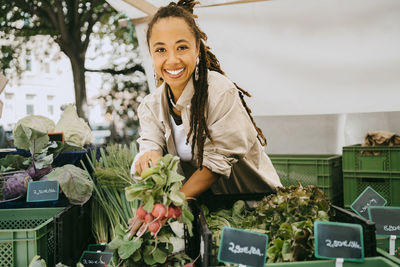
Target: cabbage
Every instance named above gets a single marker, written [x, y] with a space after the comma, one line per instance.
[37, 122]
[74, 182]
[16, 185]
[30, 133]
[75, 129]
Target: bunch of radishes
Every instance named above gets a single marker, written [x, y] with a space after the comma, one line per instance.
[158, 188]
[152, 221]
[162, 207]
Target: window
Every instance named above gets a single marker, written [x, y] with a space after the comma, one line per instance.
[47, 67]
[29, 109]
[28, 61]
[50, 109]
[28, 64]
[50, 97]
[29, 96]
[9, 96]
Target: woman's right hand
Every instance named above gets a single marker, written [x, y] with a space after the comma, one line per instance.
[147, 160]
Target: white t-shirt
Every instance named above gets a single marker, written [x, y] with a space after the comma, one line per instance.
[184, 150]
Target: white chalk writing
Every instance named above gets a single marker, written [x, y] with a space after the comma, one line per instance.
[370, 202]
[88, 261]
[391, 228]
[244, 250]
[338, 244]
[44, 191]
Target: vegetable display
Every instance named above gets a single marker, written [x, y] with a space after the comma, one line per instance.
[144, 215]
[155, 234]
[31, 133]
[287, 217]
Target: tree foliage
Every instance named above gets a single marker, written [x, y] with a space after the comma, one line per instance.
[79, 26]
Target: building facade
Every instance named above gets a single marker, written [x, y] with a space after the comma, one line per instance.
[45, 85]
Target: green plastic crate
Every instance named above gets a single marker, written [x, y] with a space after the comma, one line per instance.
[378, 167]
[324, 171]
[368, 262]
[386, 184]
[382, 244]
[385, 254]
[25, 233]
[371, 158]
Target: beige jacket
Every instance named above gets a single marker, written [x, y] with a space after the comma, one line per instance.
[236, 153]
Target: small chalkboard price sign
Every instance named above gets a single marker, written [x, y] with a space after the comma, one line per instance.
[100, 247]
[335, 240]
[387, 220]
[369, 197]
[42, 191]
[56, 137]
[243, 247]
[95, 259]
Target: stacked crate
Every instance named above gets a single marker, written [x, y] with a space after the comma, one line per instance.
[324, 171]
[378, 167]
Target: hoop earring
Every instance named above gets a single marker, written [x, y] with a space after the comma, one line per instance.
[196, 70]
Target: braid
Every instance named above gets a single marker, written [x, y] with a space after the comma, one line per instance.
[198, 125]
[260, 136]
[207, 61]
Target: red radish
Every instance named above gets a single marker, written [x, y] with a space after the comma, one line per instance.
[154, 227]
[159, 211]
[171, 211]
[155, 232]
[148, 218]
[134, 224]
[178, 212]
[141, 213]
[174, 212]
[142, 230]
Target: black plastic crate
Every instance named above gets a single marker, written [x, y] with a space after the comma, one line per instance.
[20, 203]
[72, 232]
[72, 157]
[205, 245]
[202, 243]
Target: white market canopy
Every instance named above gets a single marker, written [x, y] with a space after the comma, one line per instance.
[299, 57]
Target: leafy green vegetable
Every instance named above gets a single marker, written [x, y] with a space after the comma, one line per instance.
[75, 129]
[160, 256]
[127, 248]
[74, 182]
[38, 123]
[287, 217]
[12, 162]
[29, 138]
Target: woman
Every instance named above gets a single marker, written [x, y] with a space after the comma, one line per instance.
[198, 113]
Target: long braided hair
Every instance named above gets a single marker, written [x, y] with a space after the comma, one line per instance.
[207, 61]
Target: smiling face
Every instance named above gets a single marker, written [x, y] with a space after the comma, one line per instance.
[174, 51]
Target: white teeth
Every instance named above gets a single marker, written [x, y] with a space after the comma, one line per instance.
[175, 72]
